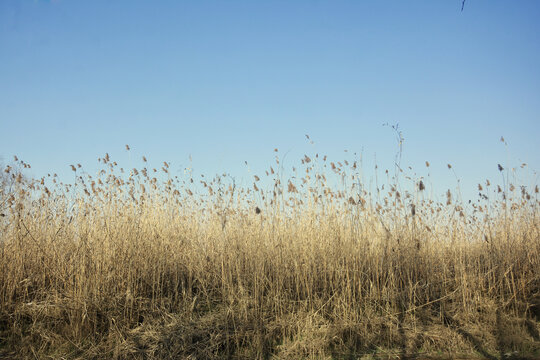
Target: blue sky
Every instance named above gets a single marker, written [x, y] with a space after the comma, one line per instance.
[229, 81]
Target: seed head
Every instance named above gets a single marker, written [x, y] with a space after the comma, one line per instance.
[291, 187]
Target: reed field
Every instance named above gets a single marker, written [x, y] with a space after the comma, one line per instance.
[305, 264]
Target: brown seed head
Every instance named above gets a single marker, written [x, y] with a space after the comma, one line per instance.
[291, 187]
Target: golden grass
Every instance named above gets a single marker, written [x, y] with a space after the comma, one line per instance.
[148, 266]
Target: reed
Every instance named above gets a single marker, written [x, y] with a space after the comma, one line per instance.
[142, 264]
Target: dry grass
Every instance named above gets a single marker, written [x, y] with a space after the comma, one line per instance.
[132, 266]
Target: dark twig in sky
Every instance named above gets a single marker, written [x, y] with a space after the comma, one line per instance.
[462, 5]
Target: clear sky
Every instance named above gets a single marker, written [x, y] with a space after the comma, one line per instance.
[229, 81]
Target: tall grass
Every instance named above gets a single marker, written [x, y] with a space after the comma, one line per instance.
[141, 264]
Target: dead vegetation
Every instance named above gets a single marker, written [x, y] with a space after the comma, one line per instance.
[141, 264]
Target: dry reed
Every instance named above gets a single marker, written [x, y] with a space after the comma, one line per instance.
[150, 266]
